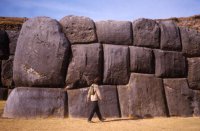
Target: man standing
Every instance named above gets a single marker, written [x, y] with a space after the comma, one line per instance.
[94, 95]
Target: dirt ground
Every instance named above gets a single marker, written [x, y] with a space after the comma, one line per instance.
[114, 124]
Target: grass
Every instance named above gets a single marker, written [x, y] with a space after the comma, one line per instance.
[71, 124]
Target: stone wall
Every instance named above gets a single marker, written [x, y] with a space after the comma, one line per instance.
[145, 68]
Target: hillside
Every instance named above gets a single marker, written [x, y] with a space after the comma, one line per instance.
[15, 23]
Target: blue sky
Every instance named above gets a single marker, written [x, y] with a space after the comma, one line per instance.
[100, 9]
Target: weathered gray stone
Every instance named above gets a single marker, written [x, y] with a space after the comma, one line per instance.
[169, 64]
[116, 64]
[13, 36]
[3, 93]
[170, 36]
[196, 103]
[86, 65]
[41, 54]
[194, 72]
[124, 100]
[4, 45]
[79, 29]
[146, 33]
[141, 60]
[114, 32]
[190, 42]
[109, 106]
[7, 72]
[79, 107]
[26, 102]
[179, 97]
[146, 96]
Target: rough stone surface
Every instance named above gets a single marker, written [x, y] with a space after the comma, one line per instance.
[170, 36]
[26, 102]
[86, 65]
[146, 96]
[114, 32]
[7, 72]
[41, 54]
[190, 42]
[196, 103]
[179, 97]
[79, 29]
[141, 60]
[194, 72]
[116, 65]
[13, 36]
[78, 106]
[4, 45]
[3, 93]
[124, 100]
[169, 64]
[146, 33]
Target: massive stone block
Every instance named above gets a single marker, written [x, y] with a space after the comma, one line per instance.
[196, 103]
[13, 36]
[170, 36]
[124, 100]
[179, 97]
[41, 54]
[169, 64]
[79, 107]
[141, 60]
[194, 72]
[116, 65]
[146, 96]
[26, 102]
[79, 29]
[114, 32]
[7, 72]
[4, 45]
[85, 66]
[190, 42]
[146, 33]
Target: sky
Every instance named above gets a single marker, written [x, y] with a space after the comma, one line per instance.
[100, 9]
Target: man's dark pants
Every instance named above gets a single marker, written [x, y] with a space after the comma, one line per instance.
[95, 108]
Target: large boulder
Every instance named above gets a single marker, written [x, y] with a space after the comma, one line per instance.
[170, 36]
[7, 72]
[86, 65]
[169, 64]
[190, 42]
[41, 54]
[116, 64]
[114, 32]
[26, 102]
[13, 36]
[194, 72]
[79, 107]
[79, 29]
[141, 60]
[146, 95]
[146, 33]
[4, 45]
[179, 97]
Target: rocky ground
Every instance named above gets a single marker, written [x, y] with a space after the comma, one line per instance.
[68, 124]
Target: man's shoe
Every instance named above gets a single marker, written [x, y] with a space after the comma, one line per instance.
[102, 120]
[90, 121]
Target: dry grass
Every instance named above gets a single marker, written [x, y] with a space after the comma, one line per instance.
[68, 124]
